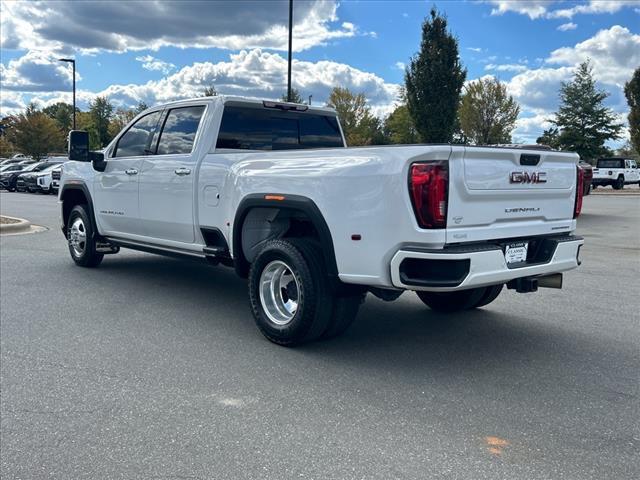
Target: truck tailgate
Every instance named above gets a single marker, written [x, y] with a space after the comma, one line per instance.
[498, 193]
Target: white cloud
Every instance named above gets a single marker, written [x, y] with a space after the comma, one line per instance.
[475, 49]
[251, 73]
[593, 7]
[565, 27]
[155, 64]
[535, 9]
[532, 8]
[614, 54]
[508, 67]
[401, 66]
[36, 72]
[140, 25]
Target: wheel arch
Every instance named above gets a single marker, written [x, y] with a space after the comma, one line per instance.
[72, 195]
[287, 203]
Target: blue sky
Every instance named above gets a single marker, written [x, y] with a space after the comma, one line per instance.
[154, 52]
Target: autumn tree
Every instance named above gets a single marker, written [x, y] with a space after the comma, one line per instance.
[35, 133]
[632, 92]
[62, 113]
[360, 126]
[488, 113]
[121, 117]
[584, 122]
[434, 80]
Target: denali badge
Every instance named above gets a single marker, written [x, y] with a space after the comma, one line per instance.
[528, 177]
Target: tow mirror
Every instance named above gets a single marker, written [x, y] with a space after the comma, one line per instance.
[79, 145]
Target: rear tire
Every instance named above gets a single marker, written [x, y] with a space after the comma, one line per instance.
[490, 295]
[81, 238]
[619, 183]
[449, 302]
[289, 293]
[345, 309]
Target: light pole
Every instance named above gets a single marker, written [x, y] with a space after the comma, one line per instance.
[73, 63]
[290, 44]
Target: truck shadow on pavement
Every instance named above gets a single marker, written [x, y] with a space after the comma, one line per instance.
[402, 336]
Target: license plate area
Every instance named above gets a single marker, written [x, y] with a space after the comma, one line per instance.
[515, 254]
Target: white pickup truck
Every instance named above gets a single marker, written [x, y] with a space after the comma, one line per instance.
[615, 171]
[271, 189]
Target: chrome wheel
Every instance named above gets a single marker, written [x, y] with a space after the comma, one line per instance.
[78, 237]
[279, 292]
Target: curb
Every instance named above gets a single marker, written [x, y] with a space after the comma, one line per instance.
[21, 226]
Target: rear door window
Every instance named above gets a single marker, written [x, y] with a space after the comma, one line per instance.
[179, 130]
[137, 140]
[248, 128]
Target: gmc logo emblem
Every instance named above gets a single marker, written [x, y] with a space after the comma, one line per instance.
[528, 177]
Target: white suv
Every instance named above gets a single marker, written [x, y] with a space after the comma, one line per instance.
[615, 171]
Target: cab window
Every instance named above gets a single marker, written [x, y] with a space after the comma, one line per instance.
[179, 130]
[137, 140]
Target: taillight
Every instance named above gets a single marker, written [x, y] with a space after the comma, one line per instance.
[577, 208]
[428, 186]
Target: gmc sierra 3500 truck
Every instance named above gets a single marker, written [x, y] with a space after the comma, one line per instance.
[271, 189]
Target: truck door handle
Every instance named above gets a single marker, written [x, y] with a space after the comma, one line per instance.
[182, 171]
[131, 171]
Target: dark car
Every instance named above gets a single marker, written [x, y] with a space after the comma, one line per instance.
[9, 179]
[587, 169]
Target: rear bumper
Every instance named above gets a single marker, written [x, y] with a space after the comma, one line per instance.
[475, 266]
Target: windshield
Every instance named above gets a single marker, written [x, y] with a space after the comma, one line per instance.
[610, 163]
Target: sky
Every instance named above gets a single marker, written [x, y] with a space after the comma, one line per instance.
[158, 51]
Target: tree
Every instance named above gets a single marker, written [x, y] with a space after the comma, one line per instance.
[35, 134]
[399, 127]
[296, 97]
[6, 147]
[119, 120]
[62, 113]
[210, 92]
[632, 92]
[141, 107]
[488, 113]
[101, 112]
[434, 80]
[550, 137]
[360, 126]
[585, 123]
[85, 122]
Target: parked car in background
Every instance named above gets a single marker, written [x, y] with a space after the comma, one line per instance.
[56, 173]
[9, 180]
[615, 171]
[18, 157]
[12, 167]
[587, 169]
[39, 178]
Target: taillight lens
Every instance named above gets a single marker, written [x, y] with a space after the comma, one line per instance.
[577, 208]
[428, 186]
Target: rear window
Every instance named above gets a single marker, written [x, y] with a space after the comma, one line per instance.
[246, 128]
[610, 163]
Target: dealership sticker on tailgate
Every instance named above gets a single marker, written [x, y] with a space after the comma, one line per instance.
[516, 252]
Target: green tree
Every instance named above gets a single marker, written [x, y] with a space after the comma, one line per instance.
[399, 127]
[101, 111]
[585, 123]
[62, 113]
[210, 91]
[141, 107]
[550, 137]
[296, 97]
[85, 122]
[434, 80]
[6, 147]
[35, 134]
[488, 113]
[632, 92]
[360, 126]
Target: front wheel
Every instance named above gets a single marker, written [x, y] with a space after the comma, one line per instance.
[81, 238]
[449, 302]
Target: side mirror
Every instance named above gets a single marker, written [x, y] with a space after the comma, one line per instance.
[98, 161]
[79, 145]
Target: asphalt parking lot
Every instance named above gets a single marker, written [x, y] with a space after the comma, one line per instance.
[150, 367]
